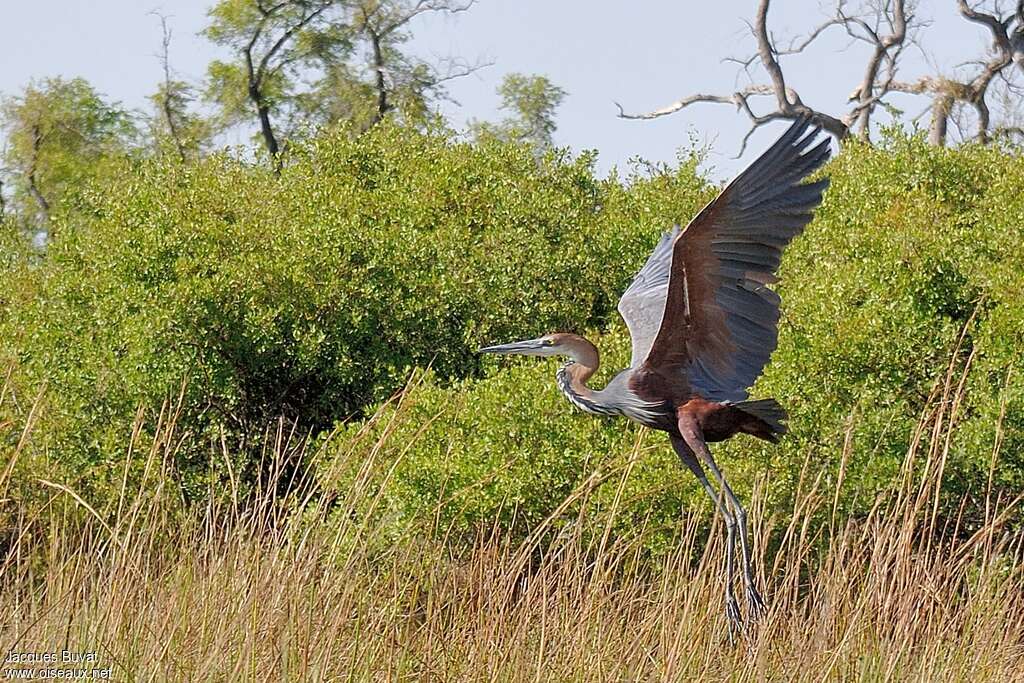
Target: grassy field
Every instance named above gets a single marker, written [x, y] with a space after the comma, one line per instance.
[470, 527]
[300, 587]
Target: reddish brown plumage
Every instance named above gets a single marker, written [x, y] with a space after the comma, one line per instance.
[719, 421]
[693, 323]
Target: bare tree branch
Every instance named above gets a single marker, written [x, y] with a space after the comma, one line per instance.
[424, 6]
[796, 48]
[788, 103]
[994, 25]
[886, 26]
[766, 51]
[1017, 37]
[1005, 132]
[887, 48]
[165, 99]
[947, 92]
[735, 99]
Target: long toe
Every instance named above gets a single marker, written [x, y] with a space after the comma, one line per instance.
[732, 613]
[755, 604]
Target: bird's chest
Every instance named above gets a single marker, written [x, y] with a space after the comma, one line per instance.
[660, 386]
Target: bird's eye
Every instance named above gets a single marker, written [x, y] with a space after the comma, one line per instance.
[549, 342]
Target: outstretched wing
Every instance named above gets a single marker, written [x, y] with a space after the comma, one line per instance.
[719, 320]
[643, 302]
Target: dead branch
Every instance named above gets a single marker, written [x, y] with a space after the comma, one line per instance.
[947, 92]
[165, 100]
[736, 99]
[887, 48]
[1007, 132]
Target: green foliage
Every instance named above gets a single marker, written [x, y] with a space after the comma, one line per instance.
[227, 88]
[914, 247]
[383, 78]
[274, 47]
[507, 450]
[174, 125]
[532, 101]
[320, 63]
[312, 294]
[61, 133]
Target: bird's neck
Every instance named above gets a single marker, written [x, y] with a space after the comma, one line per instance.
[584, 363]
[572, 377]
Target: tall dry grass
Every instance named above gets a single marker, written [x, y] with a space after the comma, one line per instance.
[262, 592]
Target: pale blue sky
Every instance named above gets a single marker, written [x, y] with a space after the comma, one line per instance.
[642, 54]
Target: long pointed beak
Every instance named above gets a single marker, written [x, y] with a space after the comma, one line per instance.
[526, 346]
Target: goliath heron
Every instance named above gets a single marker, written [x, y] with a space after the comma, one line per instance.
[703, 323]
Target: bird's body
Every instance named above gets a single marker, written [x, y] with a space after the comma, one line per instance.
[703, 323]
[718, 420]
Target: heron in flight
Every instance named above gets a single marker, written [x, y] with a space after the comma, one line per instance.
[703, 323]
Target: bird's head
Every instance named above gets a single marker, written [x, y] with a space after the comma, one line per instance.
[584, 355]
[548, 345]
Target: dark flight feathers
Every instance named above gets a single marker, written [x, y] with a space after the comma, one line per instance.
[701, 306]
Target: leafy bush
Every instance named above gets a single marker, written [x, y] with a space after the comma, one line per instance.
[312, 294]
[902, 325]
[915, 247]
[509, 449]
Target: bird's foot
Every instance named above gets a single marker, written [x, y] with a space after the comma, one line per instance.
[732, 613]
[755, 603]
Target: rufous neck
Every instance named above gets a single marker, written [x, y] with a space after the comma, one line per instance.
[585, 358]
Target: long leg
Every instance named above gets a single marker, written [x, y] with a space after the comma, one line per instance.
[732, 609]
[693, 437]
[754, 599]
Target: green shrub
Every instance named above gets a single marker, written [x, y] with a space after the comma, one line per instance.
[914, 247]
[509, 449]
[312, 294]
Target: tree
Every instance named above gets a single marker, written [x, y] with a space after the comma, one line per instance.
[887, 27]
[348, 50]
[881, 24]
[380, 78]
[971, 90]
[275, 42]
[59, 131]
[172, 121]
[532, 101]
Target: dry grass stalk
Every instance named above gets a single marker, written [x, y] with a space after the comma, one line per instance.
[161, 592]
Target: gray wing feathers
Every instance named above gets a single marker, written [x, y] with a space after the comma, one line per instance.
[767, 208]
[642, 305]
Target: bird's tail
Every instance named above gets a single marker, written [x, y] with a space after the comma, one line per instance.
[769, 418]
